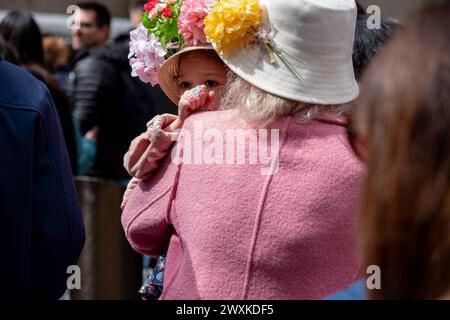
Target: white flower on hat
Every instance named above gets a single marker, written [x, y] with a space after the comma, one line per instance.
[146, 55]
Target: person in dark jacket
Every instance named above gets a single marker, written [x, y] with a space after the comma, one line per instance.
[105, 96]
[141, 101]
[41, 227]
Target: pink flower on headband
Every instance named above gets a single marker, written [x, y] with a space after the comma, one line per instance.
[147, 75]
[167, 13]
[146, 55]
[190, 22]
[149, 6]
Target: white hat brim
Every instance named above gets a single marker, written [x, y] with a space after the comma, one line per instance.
[319, 84]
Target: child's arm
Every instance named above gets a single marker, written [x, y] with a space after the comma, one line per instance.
[148, 148]
[130, 187]
[145, 217]
[145, 151]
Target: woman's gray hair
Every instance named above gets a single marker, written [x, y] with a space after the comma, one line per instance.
[258, 106]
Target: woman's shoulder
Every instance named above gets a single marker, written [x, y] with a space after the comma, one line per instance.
[321, 144]
[220, 120]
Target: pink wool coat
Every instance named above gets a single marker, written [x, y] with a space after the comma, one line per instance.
[238, 234]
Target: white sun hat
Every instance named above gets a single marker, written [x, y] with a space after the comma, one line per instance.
[320, 33]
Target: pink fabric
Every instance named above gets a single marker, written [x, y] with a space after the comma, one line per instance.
[243, 235]
[147, 149]
[150, 147]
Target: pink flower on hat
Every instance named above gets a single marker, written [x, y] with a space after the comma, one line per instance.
[147, 75]
[153, 13]
[190, 22]
[149, 6]
[146, 55]
[160, 7]
[167, 13]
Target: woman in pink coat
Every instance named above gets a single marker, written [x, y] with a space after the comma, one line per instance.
[258, 200]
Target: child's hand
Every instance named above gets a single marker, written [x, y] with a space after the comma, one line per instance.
[167, 122]
[197, 99]
[148, 148]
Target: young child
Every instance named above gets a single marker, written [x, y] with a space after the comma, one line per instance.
[200, 80]
[194, 78]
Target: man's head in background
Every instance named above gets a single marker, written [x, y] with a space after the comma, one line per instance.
[94, 25]
[135, 10]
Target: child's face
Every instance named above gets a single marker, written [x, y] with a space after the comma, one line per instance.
[202, 67]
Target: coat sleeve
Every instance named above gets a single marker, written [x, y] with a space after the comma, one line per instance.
[145, 218]
[94, 80]
[57, 228]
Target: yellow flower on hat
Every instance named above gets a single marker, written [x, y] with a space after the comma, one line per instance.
[230, 23]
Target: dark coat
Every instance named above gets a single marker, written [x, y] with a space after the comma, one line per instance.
[41, 228]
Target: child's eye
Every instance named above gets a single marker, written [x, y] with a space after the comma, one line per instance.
[211, 83]
[185, 85]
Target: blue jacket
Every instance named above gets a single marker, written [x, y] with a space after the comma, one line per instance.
[357, 291]
[41, 228]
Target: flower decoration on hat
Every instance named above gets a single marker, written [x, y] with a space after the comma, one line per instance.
[161, 19]
[190, 22]
[234, 24]
[167, 26]
[146, 55]
[230, 23]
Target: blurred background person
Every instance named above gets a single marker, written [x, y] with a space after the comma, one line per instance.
[2, 48]
[94, 25]
[94, 90]
[7, 52]
[369, 42]
[135, 10]
[57, 57]
[400, 130]
[20, 30]
[41, 229]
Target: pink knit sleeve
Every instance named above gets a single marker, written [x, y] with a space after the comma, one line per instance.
[147, 150]
[130, 187]
[150, 147]
[145, 218]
